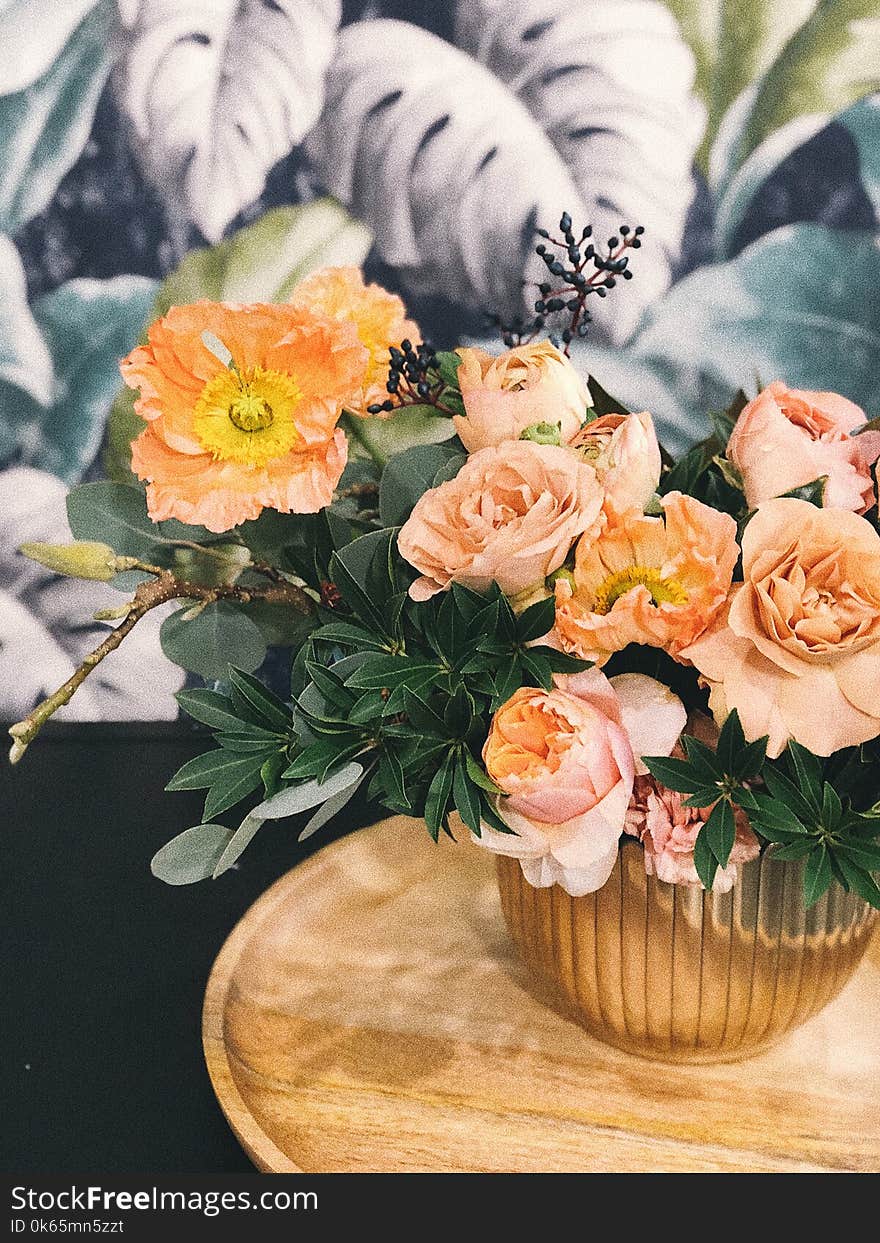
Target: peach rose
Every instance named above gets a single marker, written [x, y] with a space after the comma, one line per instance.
[511, 515]
[566, 760]
[788, 437]
[798, 652]
[379, 317]
[653, 581]
[506, 393]
[623, 449]
[668, 830]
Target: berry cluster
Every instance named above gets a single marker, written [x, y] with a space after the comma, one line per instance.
[413, 379]
[579, 269]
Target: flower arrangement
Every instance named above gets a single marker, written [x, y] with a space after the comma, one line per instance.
[529, 615]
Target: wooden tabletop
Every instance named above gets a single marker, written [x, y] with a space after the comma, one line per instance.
[369, 1014]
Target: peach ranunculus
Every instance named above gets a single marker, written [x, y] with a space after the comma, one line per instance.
[668, 830]
[786, 438]
[798, 652]
[510, 515]
[223, 442]
[566, 760]
[624, 450]
[654, 581]
[378, 315]
[504, 394]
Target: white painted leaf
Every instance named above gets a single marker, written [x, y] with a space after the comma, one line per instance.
[612, 86]
[45, 126]
[25, 362]
[220, 90]
[440, 159]
[34, 32]
[47, 625]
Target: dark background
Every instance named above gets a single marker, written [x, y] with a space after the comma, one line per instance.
[104, 967]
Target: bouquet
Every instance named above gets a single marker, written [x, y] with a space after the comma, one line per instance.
[505, 606]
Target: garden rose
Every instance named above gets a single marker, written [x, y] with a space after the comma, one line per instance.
[566, 760]
[511, 515]
[623, 449]
[668, 830]
[788, 437]
[653, 581]
[506, 393]
[798, 652]
[224, 442]
[379, 317]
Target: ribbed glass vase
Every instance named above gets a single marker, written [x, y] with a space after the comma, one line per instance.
[673, 973]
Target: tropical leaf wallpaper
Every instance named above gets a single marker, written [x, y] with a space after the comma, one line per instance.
[154, 152]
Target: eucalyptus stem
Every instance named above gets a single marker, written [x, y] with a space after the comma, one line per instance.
[164, 587]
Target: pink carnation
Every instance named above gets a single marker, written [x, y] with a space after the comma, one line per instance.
[668, 831]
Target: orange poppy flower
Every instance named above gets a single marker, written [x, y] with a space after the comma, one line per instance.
[241, 405]
[379, 316]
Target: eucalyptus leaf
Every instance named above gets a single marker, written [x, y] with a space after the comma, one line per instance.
[299, 798]
[331, 807]
[407, 477]
[237, 844]
[192, 855]
[205, 644]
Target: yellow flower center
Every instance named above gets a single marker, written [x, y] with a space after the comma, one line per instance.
[246, 415]
[662, 590]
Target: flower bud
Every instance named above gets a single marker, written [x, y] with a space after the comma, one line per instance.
[83, 559]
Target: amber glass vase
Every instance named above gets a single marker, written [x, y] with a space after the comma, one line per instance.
[673, 973]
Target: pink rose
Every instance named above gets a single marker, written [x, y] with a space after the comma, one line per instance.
[506, 393]
[786, 438]
[566, 760]
[623, 449]
[668, 830]
[511, 515]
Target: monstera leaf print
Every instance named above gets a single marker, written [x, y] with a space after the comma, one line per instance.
[220, 90]
[452, 155]
[47, 624]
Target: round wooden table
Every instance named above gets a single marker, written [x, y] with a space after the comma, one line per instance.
[368, 1014]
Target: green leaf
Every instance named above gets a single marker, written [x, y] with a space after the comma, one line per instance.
[832, 808]
[439, 792]
[751, 759]
[44, 128]
[704, 860]
[603, 403]
[270, 772]
[479, 776]
[88, 326]
[537, 620]
[206, 644]
[798, 849]
[393, 778]
[336, 695]
[407, 477]
[828, 63]
[381, 439]
[381, 672]
[348, 635]
[467, 797]
[774, 813]
[865, 854]
[234, 784]
[859, 881]
[249, 743]
[720, 831]
[813, 492]
[192, 855]
[268, 707]
[449, 469]
[788, 793]
[771, 310]
[674, 774]
[560, 662]
[817, 875]
[492, 817]
[265, 261]
[115, 513]
[731, 741]
[209, 707]
[237, 844]
[448, 363]
[202, 771]
[707, 764]
[422, 716]
[299, 798]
